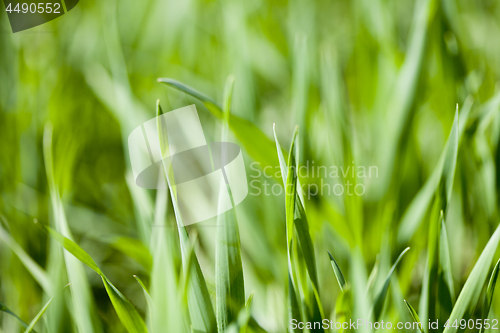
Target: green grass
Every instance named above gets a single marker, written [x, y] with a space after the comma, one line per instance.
[408, 87]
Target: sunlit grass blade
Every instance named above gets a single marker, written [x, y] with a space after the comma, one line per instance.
[343, 306]
[39, 315]
[128, 315]
[469, 296]
[5, 309]
[296, 219]
[380, 298]
[490, 291]
[414, 315]
[230, 292]
[229, 285]
[199, 303]
[82, 301]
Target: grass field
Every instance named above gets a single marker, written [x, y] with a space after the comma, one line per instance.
[369, 131]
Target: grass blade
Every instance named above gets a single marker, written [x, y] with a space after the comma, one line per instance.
[199, 304]
[255, 142]
[444, 171]
[337, 271]
[489, 293]
[128, 315]
[445, 259]
[469, 296]
[229, 285]
[5, 309]
[39, 315]
[35, 270]
[82, 301]
[380, 298]
[414, 315]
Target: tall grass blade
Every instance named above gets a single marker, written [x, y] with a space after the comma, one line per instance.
[199, 303]
[469, 296]
[81, 295]
[444, 171]
[230, 287]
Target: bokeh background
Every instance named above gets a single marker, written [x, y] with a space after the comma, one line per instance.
[369, 82]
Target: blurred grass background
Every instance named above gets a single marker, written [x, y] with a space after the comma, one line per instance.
[392, 72]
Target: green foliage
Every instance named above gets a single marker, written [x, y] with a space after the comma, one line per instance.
[397, 98]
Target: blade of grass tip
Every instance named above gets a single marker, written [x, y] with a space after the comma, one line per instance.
[209, 103]
[229, 283]
[146, 293]
[39, 315]
[255, 142]
[295, 213]
[469, 296]
[443, 172]
[82, 301]
[290, 184]
[414, 315]
[126, 312]
[284, 167]
[337, 271]
[380, 298]
[489, 293]
[5, 309]
[444, 259]
[199, 303]
[38, 273]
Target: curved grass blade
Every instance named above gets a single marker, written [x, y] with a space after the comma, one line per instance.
[489, 293]
[126, 312]
[337, 271]
[229, 284]
[469, 296]
[414, 315]
[255, 142]
[380, 298]
[5, 309]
